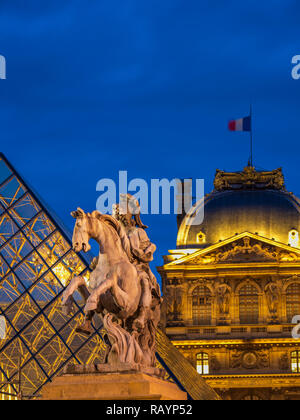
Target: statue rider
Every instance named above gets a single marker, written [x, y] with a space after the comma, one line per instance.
[128, 213]
[142, 250]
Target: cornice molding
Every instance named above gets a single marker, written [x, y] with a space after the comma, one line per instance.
[246, 243]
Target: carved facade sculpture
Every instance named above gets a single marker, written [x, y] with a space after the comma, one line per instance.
[249, 177]
[122, 289]
[249, 359]
[173, 298]
[273, 297]
[246, 249]
[223, 292]
[176, 309]
[284, 362]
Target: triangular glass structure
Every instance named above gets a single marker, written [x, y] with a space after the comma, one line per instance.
[36, 262]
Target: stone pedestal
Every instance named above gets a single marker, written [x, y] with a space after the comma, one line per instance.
[125, 385]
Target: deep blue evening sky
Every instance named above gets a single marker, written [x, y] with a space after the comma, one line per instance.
[94, 87]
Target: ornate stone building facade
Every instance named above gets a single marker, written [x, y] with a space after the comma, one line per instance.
[232, 287]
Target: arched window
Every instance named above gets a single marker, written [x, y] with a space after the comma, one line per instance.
[202, 364]
[292, 301]
[295, 361]
[201, 306]
[248, 302]
[294, 238]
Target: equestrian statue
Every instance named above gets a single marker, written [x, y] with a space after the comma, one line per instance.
[122, 289]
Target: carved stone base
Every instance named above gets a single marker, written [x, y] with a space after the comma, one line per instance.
[118, 368]
[111, 386]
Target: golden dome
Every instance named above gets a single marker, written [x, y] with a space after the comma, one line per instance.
[248, 201]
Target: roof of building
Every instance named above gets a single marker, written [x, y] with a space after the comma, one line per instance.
[250, 200]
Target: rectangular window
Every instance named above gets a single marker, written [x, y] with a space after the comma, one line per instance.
[295, 361]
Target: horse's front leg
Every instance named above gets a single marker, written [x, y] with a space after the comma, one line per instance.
[122, 298]
[77, 283]
[93, 300]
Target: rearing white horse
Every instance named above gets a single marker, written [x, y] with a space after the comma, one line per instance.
[114, 290]
[114, 284]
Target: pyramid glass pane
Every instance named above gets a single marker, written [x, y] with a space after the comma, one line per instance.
[36, 263]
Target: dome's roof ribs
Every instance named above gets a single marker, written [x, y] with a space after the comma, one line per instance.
[249, 178]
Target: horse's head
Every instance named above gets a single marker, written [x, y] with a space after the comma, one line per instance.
[81, 233]
[105, 229]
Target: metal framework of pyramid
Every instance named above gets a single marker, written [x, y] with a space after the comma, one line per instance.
[36, 264]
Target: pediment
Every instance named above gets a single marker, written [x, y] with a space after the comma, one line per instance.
[242, 248]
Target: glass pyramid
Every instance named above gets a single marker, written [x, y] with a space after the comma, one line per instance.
[36, 263]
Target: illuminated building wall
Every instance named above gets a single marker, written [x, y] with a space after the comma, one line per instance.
[230, 299]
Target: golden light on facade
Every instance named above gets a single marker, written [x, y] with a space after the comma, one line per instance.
[231, 306]
[201, 238]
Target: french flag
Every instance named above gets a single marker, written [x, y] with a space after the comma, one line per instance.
[242, 124]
